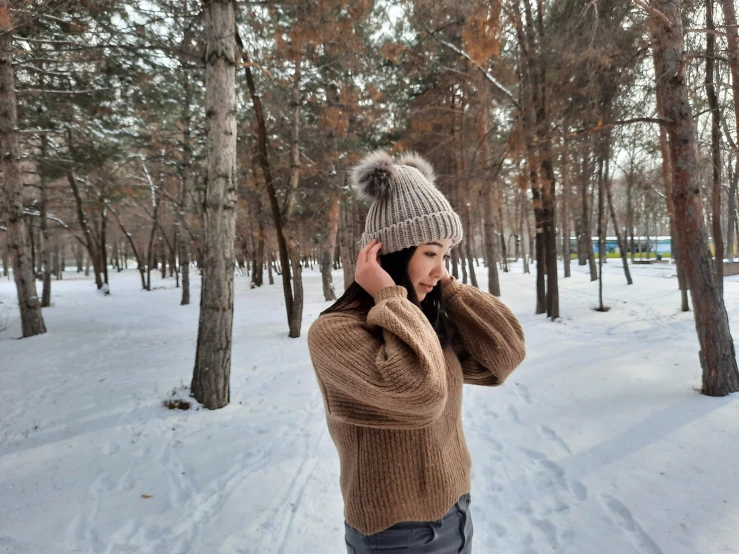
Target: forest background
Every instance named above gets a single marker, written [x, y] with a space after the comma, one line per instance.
[172, 134]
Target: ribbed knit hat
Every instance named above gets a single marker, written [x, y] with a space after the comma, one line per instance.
[407, 209]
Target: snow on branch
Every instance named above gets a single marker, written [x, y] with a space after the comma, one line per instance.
[52, 217]
[485, 72]
[26, 67]
[41, 131]
[49, 91]
[46, 41]
[151, 183]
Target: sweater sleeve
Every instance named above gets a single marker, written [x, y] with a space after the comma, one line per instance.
[491, 338]
[389, 373]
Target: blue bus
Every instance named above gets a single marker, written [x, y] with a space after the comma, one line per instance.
[655, 244]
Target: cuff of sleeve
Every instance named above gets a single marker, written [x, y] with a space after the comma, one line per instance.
[451, 289]
[395, 291]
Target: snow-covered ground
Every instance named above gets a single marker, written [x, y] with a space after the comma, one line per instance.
[598, 444]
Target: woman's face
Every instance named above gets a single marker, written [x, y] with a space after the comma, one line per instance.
[426, 266]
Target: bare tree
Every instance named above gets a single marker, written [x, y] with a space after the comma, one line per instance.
[667, 177]
[718, 243]
[328, 247]
[280, 215]
[585, 237]
[717, 354]
[45, 238]
[32, 322]
[732, 37]
[565, 217]
[346, 239]
[184, 191]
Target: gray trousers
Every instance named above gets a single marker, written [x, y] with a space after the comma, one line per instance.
[452, 534]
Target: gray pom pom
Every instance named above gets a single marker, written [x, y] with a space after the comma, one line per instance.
[414, 160]
[373, 176]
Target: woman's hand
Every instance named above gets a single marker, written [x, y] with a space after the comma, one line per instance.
[369, 273]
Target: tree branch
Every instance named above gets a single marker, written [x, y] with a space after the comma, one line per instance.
[484, 71]
[654, 12]
[36, 213]
[42, 91]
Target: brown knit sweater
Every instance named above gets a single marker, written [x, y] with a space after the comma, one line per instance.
[393, 399]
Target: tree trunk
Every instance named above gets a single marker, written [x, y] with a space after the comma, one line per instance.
[163, 254]
[619, 238]
[103, 243]
[277, 215]
[358, 218]
[327, 249]
[32, 322]
[212, 371]
[582, 255]
[515, 224]
[346, 238]
[454, 261]
[732, 39]
[731, 215]
[667, 177]
[490, 238]
[468, 248]
[541, 293]
[523, 215]
[732, 36]
[585, 228]
[542, 178]
[181, 240]
[139, 260]
[58, 259]
[32, 240]
[54, 257]
[6, 257]
[460, 259]
[150, 255]
[242, 255]
[464, 191]
[45, 242]
[501, 235]
[172, 262]
[601, 222]
[527, 256]
[90, 239]
[115, 256]
[630, 211]
[565, 219]
[296, 318]
[259, 262]
[718, 241]
[550, 234]
[296, 314]
[717, 354]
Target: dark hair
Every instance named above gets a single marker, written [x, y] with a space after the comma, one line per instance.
[396, 264]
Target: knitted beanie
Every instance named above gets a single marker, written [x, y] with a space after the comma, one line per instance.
[407, 209]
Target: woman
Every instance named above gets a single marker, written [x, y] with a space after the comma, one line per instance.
[390, 357]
